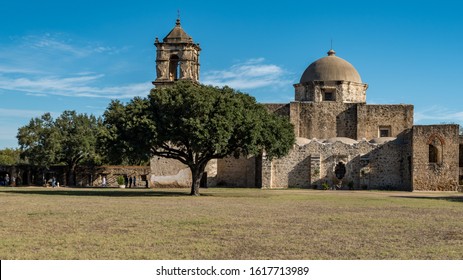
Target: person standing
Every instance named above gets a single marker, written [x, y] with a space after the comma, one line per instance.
[104, 182]
[130, 182]
[7, 180]
[134, 181]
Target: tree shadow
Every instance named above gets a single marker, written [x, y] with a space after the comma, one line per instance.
[443, 198]
[103, 192]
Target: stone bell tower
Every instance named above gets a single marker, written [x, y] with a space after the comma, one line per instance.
[177, 58]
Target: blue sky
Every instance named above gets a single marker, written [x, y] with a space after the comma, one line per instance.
[78, 55]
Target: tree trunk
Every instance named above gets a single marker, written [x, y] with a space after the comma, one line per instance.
[72, 172]
[196, 175]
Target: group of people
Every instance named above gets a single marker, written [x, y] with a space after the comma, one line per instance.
[7, 181]
[129, 181]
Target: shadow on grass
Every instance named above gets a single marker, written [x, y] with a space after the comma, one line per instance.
[102, 192]
[444, 198]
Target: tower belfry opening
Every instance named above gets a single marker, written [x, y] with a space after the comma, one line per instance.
[177, 57]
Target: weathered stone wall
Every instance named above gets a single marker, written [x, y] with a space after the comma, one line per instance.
[93, 177]
[367, 165]
[344, 92]
[371, 117]
[324, 120]
[441, 175]
[171, 173]
[233, 172]
[278, 108]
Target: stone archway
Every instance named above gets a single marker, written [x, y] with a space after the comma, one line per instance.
[340, 170]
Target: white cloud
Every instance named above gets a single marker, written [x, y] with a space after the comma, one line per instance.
[438, 114]
[252, 74]
[61, 43]
[53, 64]
[74, 86]
[21, 113]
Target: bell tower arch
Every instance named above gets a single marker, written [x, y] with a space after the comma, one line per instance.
[177, 58]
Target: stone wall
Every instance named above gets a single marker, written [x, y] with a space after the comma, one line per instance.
[371, 117]
[93, 177]
[344, 91]
[367, 166]
[278, 108]
[439, 173]
[171, 173]
[324, 120]
[233, 172]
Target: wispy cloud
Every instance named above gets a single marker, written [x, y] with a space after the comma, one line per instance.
[438, 114]
[252, 74]
[20, 113]
[56, 64]
[62, 43]
[74, 86]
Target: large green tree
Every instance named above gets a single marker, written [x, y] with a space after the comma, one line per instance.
[124, 125]
[195, 123]
[70, 139]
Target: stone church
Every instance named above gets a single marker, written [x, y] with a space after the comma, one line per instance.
[342, 142]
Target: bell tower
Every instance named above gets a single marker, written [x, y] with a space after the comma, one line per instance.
[177, 58]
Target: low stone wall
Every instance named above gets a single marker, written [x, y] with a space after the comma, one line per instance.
[171, 173]
[366, 165]
[93, 176]
[232, 172]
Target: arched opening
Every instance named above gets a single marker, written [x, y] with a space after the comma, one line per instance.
[461, 156]
[340, 170]
[174, 68]
[433, 154]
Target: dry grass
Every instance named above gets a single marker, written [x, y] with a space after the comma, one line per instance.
[64, 223]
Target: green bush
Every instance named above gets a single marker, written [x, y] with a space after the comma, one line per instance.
[120, 180]
[325, 186]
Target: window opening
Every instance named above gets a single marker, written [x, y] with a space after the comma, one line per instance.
[340, 170]
[384, 131]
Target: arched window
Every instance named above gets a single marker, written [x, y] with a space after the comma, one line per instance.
[436, 148]
[174, 68]
[433, 154]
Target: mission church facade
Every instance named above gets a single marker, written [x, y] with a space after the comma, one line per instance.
[342, 142]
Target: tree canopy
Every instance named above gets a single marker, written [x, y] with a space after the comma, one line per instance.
[195, 123]
[70, 139]
[10, 156]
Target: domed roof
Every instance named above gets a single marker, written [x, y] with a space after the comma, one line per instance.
[344, 140]
[330, 68]
[302, 141]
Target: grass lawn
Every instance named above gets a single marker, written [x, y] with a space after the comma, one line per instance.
[65, 223]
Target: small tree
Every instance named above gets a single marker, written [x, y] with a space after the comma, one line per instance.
[195, 123]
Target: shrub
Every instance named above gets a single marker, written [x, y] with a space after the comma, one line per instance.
[120, 180]
[325, 186]
[350, 185]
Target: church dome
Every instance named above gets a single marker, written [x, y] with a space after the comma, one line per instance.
[330, 68]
